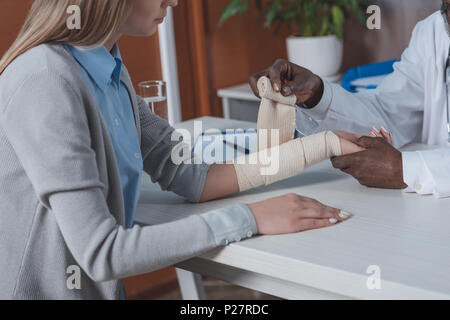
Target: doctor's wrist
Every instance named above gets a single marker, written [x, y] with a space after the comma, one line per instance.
[317, 95]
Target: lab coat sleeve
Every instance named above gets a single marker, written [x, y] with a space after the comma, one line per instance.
[397, 104]
[427, 172]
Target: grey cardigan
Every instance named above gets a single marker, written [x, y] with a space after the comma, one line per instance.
[61, 203]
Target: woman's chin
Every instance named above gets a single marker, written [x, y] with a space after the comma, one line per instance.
[144, 32]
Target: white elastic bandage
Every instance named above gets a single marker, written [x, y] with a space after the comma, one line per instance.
[291, 157]
[275, 112]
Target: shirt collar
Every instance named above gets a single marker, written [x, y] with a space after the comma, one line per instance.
[101, 65]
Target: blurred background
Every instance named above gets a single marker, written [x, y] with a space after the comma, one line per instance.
[210, 57]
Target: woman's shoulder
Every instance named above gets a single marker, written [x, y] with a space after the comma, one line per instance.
[41, 62]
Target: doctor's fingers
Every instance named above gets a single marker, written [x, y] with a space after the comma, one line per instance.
[303, 87]
[253, 81]
[279, 74]
[347, 161]
[372, 143]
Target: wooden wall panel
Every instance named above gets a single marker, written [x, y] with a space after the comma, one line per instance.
[398, 18]
[230, 53]
[238, 48]
[12, 16]
[142, 58]
[241, 45]
[184, 59]
[193, 59]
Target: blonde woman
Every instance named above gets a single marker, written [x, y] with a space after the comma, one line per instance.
[74, 140]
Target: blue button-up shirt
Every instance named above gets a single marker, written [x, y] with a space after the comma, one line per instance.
[101, 71]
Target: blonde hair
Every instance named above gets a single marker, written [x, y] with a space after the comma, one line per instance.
[47, 22]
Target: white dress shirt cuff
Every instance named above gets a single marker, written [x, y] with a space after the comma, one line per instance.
[416, 174]
[231, 224]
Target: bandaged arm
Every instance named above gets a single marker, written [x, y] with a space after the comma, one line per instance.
[287, 160]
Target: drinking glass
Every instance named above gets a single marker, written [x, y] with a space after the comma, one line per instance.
[154, 93]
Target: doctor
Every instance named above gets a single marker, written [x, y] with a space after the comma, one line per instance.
[411, 103]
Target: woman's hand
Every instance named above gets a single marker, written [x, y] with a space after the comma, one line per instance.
[349, 147]
[383, 133]
[293, 213]
[349, 141]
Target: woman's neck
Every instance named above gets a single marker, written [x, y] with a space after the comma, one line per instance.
[109, 44]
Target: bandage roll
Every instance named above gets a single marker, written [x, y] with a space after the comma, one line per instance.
[266, 91]
[282, 158]
[287, 160]
[276, 112]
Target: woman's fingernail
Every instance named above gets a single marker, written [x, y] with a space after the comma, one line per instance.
[276, 87]
[384, 129]
[333, 220]
[344, 215]
[374, 129]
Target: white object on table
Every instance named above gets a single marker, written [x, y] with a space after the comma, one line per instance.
[403, 236]
[321, 55]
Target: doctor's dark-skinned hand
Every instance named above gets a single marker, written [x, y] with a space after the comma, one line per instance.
[379, 166]
[288, 79]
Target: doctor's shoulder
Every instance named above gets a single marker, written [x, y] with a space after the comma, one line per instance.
[431, 29]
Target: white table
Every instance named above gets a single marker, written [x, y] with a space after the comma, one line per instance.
[191, 284]
[406, 235]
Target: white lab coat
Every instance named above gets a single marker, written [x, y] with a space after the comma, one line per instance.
[410, 103]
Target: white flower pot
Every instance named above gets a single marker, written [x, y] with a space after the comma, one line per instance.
[322, 55]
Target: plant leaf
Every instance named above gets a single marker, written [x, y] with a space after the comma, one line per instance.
[230, 10]
[338, 21]
[273, 12]
[310, 17]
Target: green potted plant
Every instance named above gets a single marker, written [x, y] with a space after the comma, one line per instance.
[317, 25]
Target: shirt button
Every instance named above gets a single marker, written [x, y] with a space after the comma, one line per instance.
[237, 239]
[117, 122]
[225, 242]
[418, 187]
[137, 155]
[249, 234]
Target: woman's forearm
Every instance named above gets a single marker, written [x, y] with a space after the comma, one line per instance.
[220, 182]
